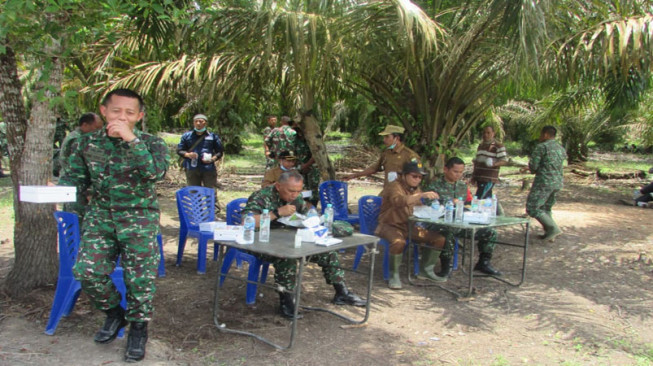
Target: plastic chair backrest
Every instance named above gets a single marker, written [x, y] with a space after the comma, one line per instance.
[335, 193]
[195, 205]
[68, 228]
[234, 208]
[369, 208]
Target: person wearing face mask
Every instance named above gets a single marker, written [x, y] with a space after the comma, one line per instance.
[287, 162]
[393, 157]
[200, 149]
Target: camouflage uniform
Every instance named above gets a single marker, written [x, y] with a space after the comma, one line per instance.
[269, 162]
[122, 219]
[67, 146]
[448, 191]
[546, 163]
[286, 269]
[280, 139]
[312, 177]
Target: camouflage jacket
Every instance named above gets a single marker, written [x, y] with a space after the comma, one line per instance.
[302, 150]
[281, 139]
[546, 163]
[448, 191]
[118, 175]
[269, 198]
[67, 149]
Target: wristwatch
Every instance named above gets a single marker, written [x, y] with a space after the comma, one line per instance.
[276, 213]
[134, 141]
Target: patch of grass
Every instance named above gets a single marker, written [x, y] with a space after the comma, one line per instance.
[617, 165]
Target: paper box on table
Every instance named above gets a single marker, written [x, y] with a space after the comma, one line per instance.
[476, 218]
[48, 194]
[212, 225]
[228, 233]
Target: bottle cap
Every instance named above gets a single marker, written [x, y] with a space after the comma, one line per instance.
[265, 210]
[329, 205]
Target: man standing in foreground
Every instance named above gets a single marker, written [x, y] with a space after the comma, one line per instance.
[118, 166]
[284, 198]
[88, 122]
[546, 163]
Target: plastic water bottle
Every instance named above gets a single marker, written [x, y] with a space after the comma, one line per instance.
[474, 204]
[250, 225]
[312, 212]
[264, 231]
[495, 205]
[487, 207]
[636, 194]
[448, 211]
[193, 162]
[460, 207]
[328, 218]
[435, 206]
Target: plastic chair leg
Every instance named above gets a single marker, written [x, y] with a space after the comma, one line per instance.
[183, 236]
[201, 254]
[359, 254]
[252, 288]
[65, 297]
[162, 261]
[226, 263]
[455, 255]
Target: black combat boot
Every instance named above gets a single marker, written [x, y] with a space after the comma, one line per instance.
[484, 265]
[445, 268]
[287, 306]
[344, 297]
[136, 342]
[112, 325]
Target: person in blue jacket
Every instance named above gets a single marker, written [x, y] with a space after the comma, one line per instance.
[200, 150]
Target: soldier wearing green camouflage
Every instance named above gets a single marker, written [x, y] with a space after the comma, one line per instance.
[88, 122]
[307, 167]
[272, 123]
[546, 163]
[282, 138]
[284, 199]
[450, 187]
[119, 166]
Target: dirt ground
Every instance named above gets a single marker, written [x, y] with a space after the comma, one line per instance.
[586, 301]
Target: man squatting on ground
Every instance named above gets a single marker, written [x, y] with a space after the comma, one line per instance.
[399, 199]
[284, 198]
[451, 187]
[118, 166]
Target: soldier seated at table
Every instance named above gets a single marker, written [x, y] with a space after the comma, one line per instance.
[451, 187]
[399, 199]
[284, 198]
[287, 161]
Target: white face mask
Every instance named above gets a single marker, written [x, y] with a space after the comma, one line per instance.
[392, 146]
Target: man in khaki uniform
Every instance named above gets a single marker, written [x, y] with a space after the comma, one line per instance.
[287, 161]
[392, 159]
[399, 198]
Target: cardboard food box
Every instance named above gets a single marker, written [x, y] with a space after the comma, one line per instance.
[228, 232]
[211, 225]
[47, 194]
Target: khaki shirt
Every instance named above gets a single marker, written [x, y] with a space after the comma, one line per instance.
[394, 160]
[395, 209]
[271, 176]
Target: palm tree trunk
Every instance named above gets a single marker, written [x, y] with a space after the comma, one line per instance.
[315, 140]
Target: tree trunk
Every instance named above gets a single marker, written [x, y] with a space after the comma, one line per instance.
[30, 146]
[315, 139]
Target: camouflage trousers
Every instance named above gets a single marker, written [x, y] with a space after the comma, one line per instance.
[485, 238]
[78, 207]
[130, 236]
[312, 183]
[540, 200]
[285, 270]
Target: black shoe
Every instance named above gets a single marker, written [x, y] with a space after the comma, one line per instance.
[484, 265]
[112, 325]
[344, 297]
[445, 268]
[287, 306]
[136, 342]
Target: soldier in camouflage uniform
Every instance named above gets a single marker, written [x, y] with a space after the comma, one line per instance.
[119, 166]
[272, 123]
[281, 138]
[307, 167]
[88, 122]
[546, 163]
[284, 199]
[450, 187]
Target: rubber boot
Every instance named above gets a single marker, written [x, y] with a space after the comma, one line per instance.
[484, 265]
[427, 265]
[345, 297]
[395, 263]
[287, 306]
[114, 322]
[136, 342]
[551, 229]
[445, 269]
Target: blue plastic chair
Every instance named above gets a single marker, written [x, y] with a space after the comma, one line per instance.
[335, 193]
[68, 288]
[195, 205]
[256, 266]
[162, 262]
